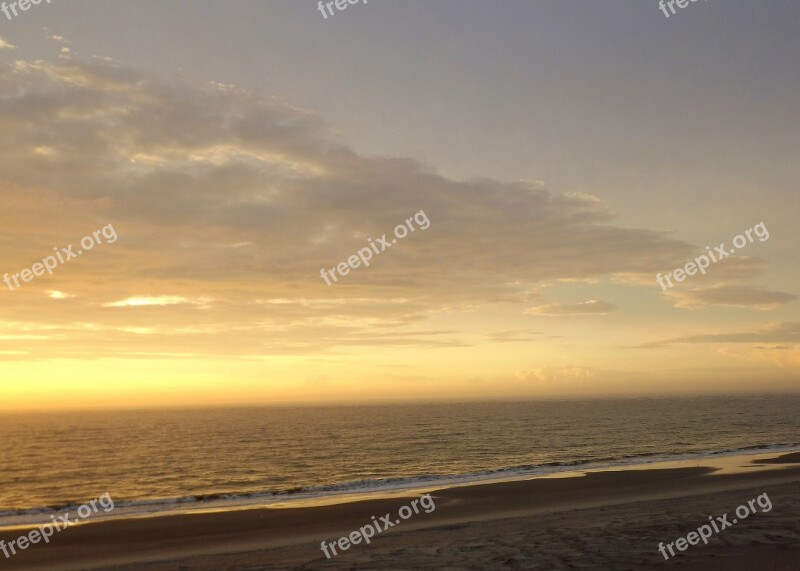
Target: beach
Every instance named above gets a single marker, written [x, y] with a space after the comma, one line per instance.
[612, 519]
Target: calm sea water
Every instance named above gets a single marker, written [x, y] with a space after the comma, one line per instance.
[158, 460]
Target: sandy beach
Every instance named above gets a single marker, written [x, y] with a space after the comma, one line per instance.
[598, 520]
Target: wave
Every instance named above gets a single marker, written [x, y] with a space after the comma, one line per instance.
[245, 499]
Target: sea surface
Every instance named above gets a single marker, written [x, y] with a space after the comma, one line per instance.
[167, 460]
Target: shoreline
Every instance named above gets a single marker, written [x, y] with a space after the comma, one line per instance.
[316, 498]
[290, 536]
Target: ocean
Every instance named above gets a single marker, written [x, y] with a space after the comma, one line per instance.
[179, 460]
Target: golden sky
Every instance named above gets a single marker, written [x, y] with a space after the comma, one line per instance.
[226, 202]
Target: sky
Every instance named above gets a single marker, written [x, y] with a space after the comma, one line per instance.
[564, 153]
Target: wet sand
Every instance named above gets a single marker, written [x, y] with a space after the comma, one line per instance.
[598, 520]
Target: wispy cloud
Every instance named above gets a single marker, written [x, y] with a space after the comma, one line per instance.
[158, 300]
[731, 296]
[782, 332]
[512, 336]
[558, 374]
[54, 294]
[591, 307]
[58, 39]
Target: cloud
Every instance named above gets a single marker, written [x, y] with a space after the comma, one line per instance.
[186, 170]
[54, 294]
[558, 374]
[784, 332]
[511, 336]
[202, 163]
[591, 307]
[158, 300]
[782, 355]
[58, 39]
[731, 296]
[4, 45]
